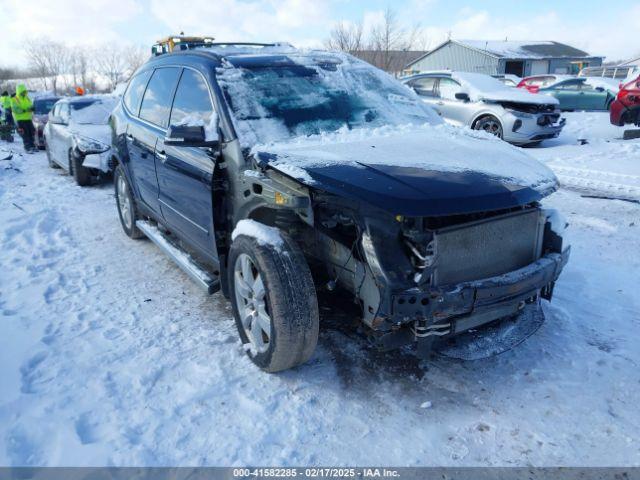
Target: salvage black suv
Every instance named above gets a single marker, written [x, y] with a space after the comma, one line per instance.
[272, 173]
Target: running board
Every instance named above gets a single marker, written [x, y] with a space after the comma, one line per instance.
[208, 282]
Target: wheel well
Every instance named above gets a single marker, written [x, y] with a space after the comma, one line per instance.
[484, 115]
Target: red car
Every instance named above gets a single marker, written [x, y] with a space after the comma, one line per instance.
[626, 107]
[536, 82]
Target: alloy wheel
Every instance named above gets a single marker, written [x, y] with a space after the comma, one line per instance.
[124, 203]
[251, 301]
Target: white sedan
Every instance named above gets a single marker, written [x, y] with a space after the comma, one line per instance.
[78, 136]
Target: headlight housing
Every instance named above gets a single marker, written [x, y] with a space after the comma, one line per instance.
[89, 145]
[518, 113]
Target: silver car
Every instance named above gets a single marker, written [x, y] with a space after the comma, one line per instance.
[482, 102]
[78, 137]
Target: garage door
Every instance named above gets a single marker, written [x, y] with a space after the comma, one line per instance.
[539, 66]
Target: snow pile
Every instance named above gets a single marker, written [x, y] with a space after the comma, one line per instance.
[263, 234]
[606, 165]
[441, 148]
[484, 87]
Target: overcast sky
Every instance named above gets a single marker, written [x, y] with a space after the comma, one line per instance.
[601, 28]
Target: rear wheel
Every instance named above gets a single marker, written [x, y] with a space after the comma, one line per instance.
[52, 164]
[274, 302]
[126, 205]
[490, 124]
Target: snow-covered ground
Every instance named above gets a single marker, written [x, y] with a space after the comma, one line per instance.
[110, 356]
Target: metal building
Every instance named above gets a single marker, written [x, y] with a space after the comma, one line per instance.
[520, 58]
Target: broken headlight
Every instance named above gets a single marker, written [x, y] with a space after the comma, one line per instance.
[89, 145]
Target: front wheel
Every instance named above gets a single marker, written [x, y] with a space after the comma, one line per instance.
[490, 124]
[274, 302]
[81, 174]
[126, 206]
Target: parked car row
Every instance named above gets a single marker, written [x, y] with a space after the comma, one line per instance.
[574, 93]
[271, 174]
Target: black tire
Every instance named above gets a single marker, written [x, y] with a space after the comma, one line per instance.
[52, 164]
[290, 298]
[490, 124]
[81, 174]
[128, 224]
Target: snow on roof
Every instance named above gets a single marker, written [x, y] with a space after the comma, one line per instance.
[524, 48]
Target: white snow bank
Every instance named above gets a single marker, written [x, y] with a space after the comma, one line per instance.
[484, 87]
[441, 148]
[263, 234]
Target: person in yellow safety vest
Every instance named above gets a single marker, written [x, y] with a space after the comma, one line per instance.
[5, 103]
[22, 111]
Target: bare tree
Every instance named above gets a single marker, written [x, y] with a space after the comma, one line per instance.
[346, 37]
[386, 37]
[49, 59]
[80, 65]
[387, 45]
[135, 57]
[111, 62]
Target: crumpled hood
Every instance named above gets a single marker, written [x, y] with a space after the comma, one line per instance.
[415, 171]
[518, 95]
[102, 133]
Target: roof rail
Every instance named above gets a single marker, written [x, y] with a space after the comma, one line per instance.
[248, 44]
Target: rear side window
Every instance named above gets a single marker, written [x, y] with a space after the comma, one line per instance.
[135, 90]
[192, 104]
[569, 86]
[156, 103]
[425, 86]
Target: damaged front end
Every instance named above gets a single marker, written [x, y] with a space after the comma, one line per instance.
[423, 278]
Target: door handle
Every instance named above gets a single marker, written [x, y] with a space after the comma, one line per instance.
[162, 156]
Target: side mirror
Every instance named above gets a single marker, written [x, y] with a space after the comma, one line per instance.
[462, 96]
[599, 89]
[55, 120]
[189, 136]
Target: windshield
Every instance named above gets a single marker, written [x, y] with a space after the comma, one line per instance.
[42, 106]
[92, 112]
[304, 96]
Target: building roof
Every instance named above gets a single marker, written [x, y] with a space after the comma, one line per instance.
[634, 61]
[524, 49]
[516, 49]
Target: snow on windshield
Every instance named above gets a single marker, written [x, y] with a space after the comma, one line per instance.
[93, 112]
[302, 95]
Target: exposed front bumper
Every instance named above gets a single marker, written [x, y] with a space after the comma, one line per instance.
[473, 303]
[528, 130]
[424, 316]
